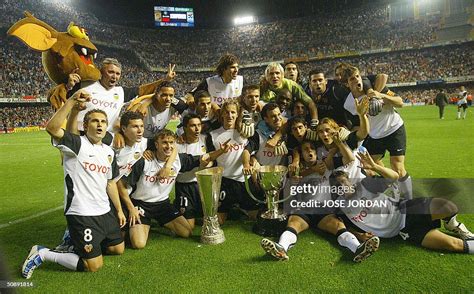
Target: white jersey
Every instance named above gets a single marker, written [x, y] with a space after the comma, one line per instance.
[198, 148]
[265, 155]
[378, 214]
[87, 169]
[351, 168]
[144, 177]
[110, 101]
[129, 155]
[463, 98]
[221, 91]
[381, 125]
[155, 121]
[232, 160]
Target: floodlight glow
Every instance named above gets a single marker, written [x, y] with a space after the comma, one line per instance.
[244, 20]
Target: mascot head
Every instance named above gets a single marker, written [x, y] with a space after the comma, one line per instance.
[62, 52]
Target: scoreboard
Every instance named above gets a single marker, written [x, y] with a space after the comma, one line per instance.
[174, 17]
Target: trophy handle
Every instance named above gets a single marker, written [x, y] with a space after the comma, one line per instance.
[247, 187]
[283, 200]
[289, 195]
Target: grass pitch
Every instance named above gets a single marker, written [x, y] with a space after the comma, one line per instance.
[31, 183]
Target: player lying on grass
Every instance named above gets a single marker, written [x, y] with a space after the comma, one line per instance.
[322, 218]
[416, 220]
[151, 194]
[89, 167]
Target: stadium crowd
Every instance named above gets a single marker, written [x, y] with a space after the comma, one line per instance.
[22, 73]
[286, 38]
[24, 116]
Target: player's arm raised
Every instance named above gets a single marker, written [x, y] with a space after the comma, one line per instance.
[71, 125]
[380, 82]
[362, 108]
[346, 152]
[54, 125]
[368, 163]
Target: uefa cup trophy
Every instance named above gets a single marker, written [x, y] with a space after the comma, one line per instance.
[271, 178]
[209, 182]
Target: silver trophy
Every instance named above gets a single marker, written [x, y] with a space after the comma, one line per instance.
[270, 178]
[209, 182]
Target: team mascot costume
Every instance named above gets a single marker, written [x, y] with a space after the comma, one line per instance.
[62, 53]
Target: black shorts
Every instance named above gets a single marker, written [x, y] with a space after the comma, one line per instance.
[418, 220]
[162, 211]
[463, 106]
[395, 143]
[234, 192]
[187, 199]
[312, 219]
[90, 233]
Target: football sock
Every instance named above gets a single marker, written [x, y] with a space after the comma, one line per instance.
[469, 246]
[288, 238]
[68, 260]
[406, 187]
[459, 115]
[348, 240]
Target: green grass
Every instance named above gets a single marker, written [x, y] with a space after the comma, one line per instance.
[31, 181]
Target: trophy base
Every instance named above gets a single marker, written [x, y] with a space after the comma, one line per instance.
[211, 233]
[270, 227]
[214, 239]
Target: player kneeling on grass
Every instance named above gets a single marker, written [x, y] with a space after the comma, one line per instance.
[151, 194]
[322, 217]
[416, 220]
[89, 165]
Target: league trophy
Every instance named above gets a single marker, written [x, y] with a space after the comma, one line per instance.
[272, 222]
[209, 182]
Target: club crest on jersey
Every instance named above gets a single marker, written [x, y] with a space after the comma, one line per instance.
[136, 155]
[256, 117]
[88, 248]
[110, 158]
[116, 96]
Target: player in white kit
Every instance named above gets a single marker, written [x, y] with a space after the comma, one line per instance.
[227, 84]
[233, 186]
[462, 103]
[187, 198]
[387, 130]
[151, 194]
[89, 169]
[416, 220]
[323, 216]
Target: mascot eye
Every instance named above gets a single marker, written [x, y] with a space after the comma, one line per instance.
[95, 55]
[84, 51]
